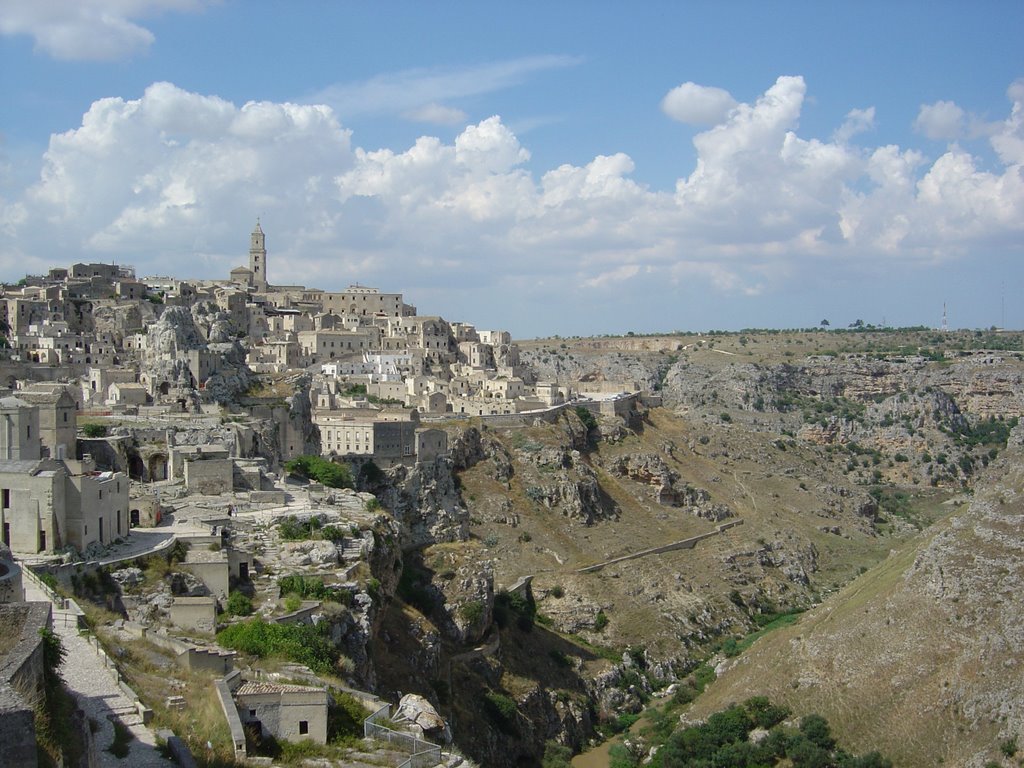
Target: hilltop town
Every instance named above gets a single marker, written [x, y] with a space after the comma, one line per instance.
[144, 412]
[270, 524]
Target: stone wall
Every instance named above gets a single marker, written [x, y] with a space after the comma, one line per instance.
[213, 573]
[209, 476]
[17, 731]
[195, 659]
[21, 681]
[197, 613]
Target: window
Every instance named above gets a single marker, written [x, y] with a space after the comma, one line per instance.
[303, 727]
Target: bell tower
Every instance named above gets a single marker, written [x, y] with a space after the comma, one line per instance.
[258, 258]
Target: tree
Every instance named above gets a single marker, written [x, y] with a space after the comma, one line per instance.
[816, 729]
[825, 323]
[316, 468]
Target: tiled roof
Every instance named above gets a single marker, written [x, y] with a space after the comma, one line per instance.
[258, 688]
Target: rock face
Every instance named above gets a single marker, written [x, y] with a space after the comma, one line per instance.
[470, 446]
[576, 494]
[181, 330]
[318, 553]
[357, 629]
[300, 429]
[174, 332]
[468, 602]
[980, 384]
[427, 503]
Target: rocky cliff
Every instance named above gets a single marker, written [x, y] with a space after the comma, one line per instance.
[919, 657]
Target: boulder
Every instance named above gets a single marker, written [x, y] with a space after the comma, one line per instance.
[417, 710]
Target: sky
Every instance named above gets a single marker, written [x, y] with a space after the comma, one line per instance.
[576, 167]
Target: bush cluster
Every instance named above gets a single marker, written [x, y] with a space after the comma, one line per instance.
[513, 606]
[724, 740]
[320, 469]
[300, 643]
[588, 419]
[293, 529]
[239, 604]
[310, 588]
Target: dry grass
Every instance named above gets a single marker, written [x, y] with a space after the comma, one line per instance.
[874, 659]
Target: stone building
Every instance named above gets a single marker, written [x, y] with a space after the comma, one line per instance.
[389, 437]
[58, 417]
[258, 258]
[47, 504]
[289, 712]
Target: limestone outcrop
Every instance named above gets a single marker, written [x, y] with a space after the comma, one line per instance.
[426, 501]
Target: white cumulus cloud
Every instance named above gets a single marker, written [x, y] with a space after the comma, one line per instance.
[942, 120]
[857, 121]
[87, 29]
[697, 104]
[172, 181]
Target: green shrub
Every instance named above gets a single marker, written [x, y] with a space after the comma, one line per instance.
[239, 604]
[333, 533]
[311, 588]
[556, 756]
[373, 587]
[320, 469]
[816, 729]
[586, 417]
[472, 611]
[1008, 746]
[600, 621]
[559, 658]
[91, 429]
[295, 642]
[345, 715]
[619, 756]
[49, 580]
[501, 710]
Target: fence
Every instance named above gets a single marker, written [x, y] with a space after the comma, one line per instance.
[66, 612]
[423, 753]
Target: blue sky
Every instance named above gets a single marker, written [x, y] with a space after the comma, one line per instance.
[571, 168]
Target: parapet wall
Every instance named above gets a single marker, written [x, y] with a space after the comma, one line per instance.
[11, 590]
[21, 681]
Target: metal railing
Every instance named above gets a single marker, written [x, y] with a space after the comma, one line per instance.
[424, 754]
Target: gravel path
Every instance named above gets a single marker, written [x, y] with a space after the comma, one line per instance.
[97, 692]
